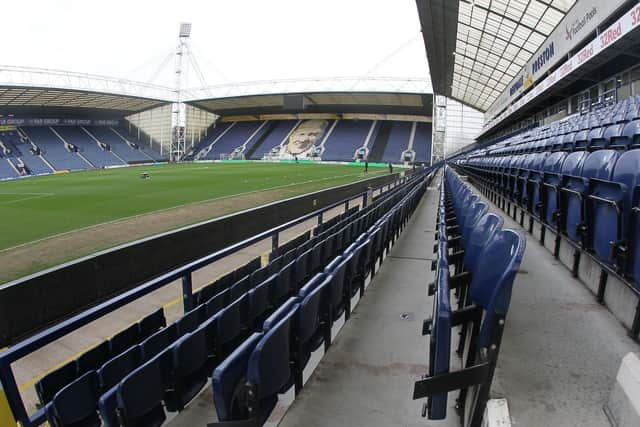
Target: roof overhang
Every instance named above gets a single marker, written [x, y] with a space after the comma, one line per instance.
[29, 90]
[477, 47]
[336, 102]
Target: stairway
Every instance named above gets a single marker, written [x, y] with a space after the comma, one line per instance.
[380, 143]
[269, 127]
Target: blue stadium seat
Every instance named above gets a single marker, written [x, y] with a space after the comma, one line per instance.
[239, 288]
[151, 323]
[440, 340]
[124, 339]
[231, 326]
[117, 368]
[598, 164]
[311, 320]
[284, 286]
[226, 378]
[139, 395]
[217, 303]
[190, 321]
[76, 404]
[93, 358]
[189, 358]
[260, 302]
[609, 205]
[158, 342]
[572, 166]
[47, 386]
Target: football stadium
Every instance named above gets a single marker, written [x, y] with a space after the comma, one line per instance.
[244, 214]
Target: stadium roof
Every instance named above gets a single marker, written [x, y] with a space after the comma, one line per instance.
[476, 47]
[336, 95]
[22, 87]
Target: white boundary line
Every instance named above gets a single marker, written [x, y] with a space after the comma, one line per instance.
[115, 221]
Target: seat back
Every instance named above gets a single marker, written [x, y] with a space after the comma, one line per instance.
[476, 211]
[260, 301]
[123, 339]
[158, 342]
[491, 287]
[151, 323]
[139, 394]
[481, 234]
[240, 287]
[228, 375]
[93, 358]
[217, 303]
[269, 365]
[232, 322]
[117, 368]
[440, 339]
[284, 283]
[610, 220]
[76, 404]
[47, 386]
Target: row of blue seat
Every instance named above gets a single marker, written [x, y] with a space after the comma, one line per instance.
[467, 233]
[247, 383]
[591, 198]
[170, 367]
[614, 124]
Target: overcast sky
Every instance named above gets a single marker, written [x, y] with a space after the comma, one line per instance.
[233, 41]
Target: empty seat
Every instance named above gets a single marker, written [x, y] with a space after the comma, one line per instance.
[231, 326]
[260, 301]
[598, 164]
[124, 339]
[191, 320]
[139, 395]
[158, 342]
[240, 287]
[217, 303]
[571, 166]
[93, 358]
[152, 323]
[76, 404]
[609, 209]
[54, 381]
[117, 368]
[188, 375]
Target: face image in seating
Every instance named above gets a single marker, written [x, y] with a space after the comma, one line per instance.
[305, 136]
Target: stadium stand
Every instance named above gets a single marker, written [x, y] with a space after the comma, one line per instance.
[398, 141]
[87, 146]
[237, 135]
[346, 138]
[422, 142]
[130, 136]
[573, 184]
[274, 138]
[117, 145]
[59, 155]
[22, 151]
[380, 140]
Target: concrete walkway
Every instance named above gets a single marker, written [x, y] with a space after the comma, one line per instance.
[366, 378]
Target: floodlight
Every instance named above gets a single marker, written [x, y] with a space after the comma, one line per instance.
[185, 29]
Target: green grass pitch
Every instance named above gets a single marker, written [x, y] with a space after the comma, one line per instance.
[41, 207]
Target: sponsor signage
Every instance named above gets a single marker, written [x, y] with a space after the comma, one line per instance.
[56, 122]
[623, 26]
[578, 23]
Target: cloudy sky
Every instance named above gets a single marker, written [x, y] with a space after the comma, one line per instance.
[233, 41]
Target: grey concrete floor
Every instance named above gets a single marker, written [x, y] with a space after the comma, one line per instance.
[561, 349]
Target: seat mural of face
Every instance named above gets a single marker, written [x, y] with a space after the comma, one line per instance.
[305, 136]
